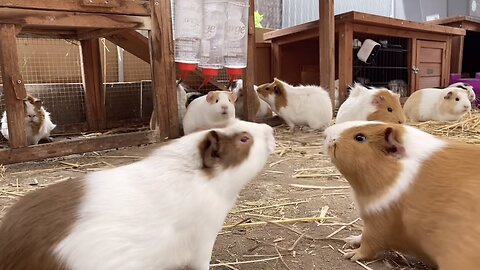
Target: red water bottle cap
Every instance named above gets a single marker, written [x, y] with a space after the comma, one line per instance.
[233, 73]
[209, 73]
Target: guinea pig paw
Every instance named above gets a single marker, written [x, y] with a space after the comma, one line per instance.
[353, 240]
[349, 253]
[356, 254]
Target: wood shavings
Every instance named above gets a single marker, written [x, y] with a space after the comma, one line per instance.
[265, 207]
[244, 262]
[319, 187]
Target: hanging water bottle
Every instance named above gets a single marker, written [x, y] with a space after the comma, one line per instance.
[188, 28]
[236, 37]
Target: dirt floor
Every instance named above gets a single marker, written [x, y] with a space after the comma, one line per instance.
[298, 187]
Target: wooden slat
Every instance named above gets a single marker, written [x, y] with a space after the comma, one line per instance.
[163, 70]
[327, 48]
[70, 20]
[456, 59]
[377, 30]
[129, 7]
[431, 55]
[345, 60]
[249, 94]
[276, 60]
[133, 42]
[94, 94]
[97, 33]
[431, 70]
[42, 151]
[13, 87]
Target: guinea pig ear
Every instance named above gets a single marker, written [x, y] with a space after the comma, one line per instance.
[210, 96]
[233, 96]
[393, 147]
[448, 95]
[210, 149]
[377, 100]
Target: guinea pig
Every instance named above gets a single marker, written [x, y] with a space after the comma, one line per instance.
[467, 87]
[298, 105]
[262, 109]
[38, 124]
[378, 104]
[213, 110]
[181, 106]
[191, 96]
[448, 104]
[163, 212]
[416, 194]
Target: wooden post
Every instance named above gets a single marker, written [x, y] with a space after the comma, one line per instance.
[326, 26]
[249, 94]
[13, 87]
[345, 55]
[163, 70]
[94, 94]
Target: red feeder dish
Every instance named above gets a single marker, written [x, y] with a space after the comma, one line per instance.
[185, 68]
[233, 73]
[208, 73]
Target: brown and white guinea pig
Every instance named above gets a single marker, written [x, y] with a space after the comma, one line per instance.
[467, 87]
[163, 212]
[181, 105]
[378, 104]
[262, 109]
[416, 193]
[448, 104]
[214, 110]
[298, 105]
[38, 124]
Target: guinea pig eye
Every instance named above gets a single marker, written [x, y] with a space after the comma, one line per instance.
[268, 88]
[244, 139]
[389, 109]
[457, 99]
[360, 137]
[216, 101]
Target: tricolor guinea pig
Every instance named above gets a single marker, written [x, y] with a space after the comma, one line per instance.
[214, 110]
[417, 194]
[181, 106]
[448, 104]
[38, 124]
[371, 104]
[467, 87]
[163, 212]
[298, 105]
[262, 109]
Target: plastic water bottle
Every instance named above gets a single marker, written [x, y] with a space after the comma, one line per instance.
[236, 34]
[188, 26]
[213, 38]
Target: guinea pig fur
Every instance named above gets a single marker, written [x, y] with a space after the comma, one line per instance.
[378, 104]
[38, 124]
[467, 87]
[181, 106]
[416, 193]
[163, 212]
[214, 110]
[261, 108]
[298, 105]
[448, 104]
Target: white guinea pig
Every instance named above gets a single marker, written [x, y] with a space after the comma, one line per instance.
[467, 87]
[448, 104]
[378, 104]
[38, 124]
[163, 212]
[262, 109]
[416, 193]
[181, 106]
[213, 110]
[298, 105]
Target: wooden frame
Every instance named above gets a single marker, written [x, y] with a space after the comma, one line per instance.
[87, 20]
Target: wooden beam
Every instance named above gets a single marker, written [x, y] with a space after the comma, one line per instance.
[163, 70]
[128, 7]
[345, 60]
[133, 42]
[13, 87]
[56, 149]
[96, 33]
[326, 26]
[249, 94]
[94, 94]
[70, 20]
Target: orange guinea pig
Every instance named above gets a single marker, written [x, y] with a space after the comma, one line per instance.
[416, 193]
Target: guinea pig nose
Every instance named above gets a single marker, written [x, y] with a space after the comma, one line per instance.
[224, 107]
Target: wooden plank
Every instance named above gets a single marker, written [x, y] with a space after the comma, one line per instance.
[49, 33]
[345, 60]
[276, 60]
[456, 58]
[129, 7]
[326, 26]
[428, 82]
[13, 87]
[70, 20]
[163, 70]
[96, 33]
[378, 30]
[412, 61]
[431, 55]
[133, 42]
[431, 70]
[249, 92]
[56, 149]
[94, 94]
[446, 63]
